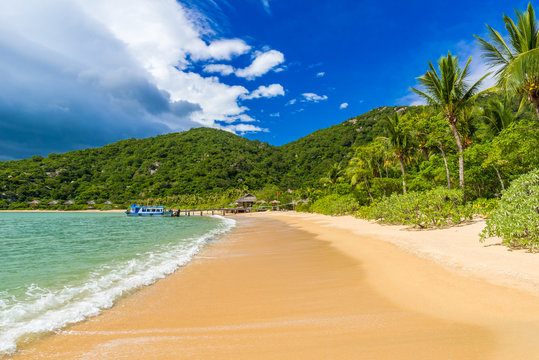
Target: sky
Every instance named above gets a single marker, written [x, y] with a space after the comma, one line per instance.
[77, 74]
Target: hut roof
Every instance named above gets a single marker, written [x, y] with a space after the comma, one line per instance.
[107, 203]
[91, 202]
[34, 202]
[69, 202]
[261, 202]
[54, 202]
[246, 198]
[275, 202]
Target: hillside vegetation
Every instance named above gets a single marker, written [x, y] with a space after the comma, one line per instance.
[199, 161]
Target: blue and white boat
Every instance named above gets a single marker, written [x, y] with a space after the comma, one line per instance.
[138, 210]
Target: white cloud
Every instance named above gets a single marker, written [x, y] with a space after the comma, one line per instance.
[343, 105]
[291, 102]
[224, 49]
[314, 97]
[245, 128]
[321, 74]
[275, 114]
[263, 62]
[266, 92]
[266, 5]
[115, 61]
[222, 69]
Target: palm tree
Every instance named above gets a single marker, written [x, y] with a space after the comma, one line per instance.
[334, 175]
[399, 139]
[516, 63]
[450, 92]
[498, 114]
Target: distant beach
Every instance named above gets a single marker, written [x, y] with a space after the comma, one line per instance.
[302, 286]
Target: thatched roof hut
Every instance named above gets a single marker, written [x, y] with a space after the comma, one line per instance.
[261, 202]
[246, 200]
[69, 202]
[91, 202]
[107, 203]
[275, 202]
[34, 202]
[54, 202]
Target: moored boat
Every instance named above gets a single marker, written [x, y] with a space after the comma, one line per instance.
[138, 210]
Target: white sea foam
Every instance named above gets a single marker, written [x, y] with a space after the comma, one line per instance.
[48, 310]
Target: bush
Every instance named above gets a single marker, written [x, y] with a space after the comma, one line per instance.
[516, 220]
[303, 207]
[335, 204]
[433, 208]
[484, 207]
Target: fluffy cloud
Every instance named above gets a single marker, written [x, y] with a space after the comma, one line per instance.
[343, 105]
[320, 74]
[313, 97]
[77, 74]
[262, 63]
[219, 50]
[266, 92]
[222, 69]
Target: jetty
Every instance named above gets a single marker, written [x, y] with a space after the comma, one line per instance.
[201, 212]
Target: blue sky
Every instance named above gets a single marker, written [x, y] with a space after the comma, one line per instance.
[82, 74]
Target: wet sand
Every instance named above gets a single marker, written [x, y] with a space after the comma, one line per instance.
[290, 288]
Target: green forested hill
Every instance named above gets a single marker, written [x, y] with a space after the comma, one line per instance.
[312, 155]
[198, 161]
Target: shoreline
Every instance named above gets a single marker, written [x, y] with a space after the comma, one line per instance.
[308, 286]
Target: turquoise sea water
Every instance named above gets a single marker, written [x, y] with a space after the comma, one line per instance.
[60, 268]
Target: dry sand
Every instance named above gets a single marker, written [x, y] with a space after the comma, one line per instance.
[313, 287]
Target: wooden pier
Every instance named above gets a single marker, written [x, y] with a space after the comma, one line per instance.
[201, 212]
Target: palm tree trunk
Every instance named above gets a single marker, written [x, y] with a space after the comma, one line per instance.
[368, 188]
[379, 169]
[499, 177]
[461, 158]
[403, 173]
[446, 167]
[534, 100]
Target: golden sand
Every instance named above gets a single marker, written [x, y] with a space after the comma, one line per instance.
[288, 287]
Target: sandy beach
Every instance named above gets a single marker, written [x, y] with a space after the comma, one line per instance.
[301, 286]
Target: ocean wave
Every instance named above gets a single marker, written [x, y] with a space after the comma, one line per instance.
[45, 310]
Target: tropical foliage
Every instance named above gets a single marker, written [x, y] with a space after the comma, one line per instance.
[516, 218]
[516, 61]
[434, 208]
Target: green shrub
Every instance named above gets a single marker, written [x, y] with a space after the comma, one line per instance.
[516, 220]
[335, 204]
[433, 208]
[484, 207]
[303, 207]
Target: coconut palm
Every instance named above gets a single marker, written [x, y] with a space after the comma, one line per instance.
[333, 176]
[450, 92]
[516, 61]
[400, 142]
[498, 114]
